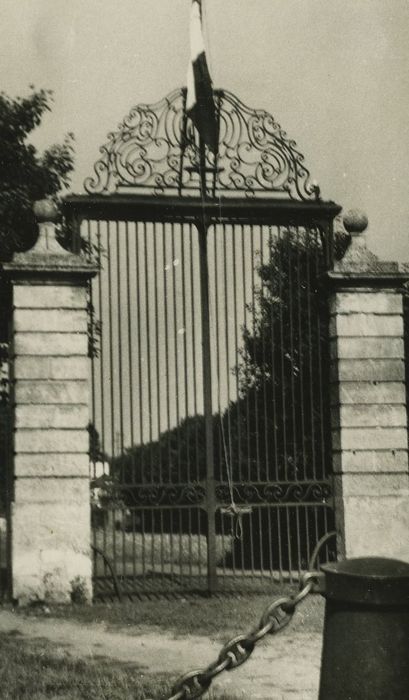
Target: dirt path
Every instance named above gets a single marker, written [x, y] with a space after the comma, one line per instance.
[285, 667]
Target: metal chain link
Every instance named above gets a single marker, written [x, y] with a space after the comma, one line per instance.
[275, 617]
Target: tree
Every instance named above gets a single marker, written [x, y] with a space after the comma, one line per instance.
[25, 174]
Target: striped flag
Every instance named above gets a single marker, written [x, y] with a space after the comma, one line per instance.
[200, 106]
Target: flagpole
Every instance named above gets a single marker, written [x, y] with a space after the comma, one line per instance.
[200, 108]
[211, 504]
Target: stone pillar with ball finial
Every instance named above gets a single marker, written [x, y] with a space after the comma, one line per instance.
[368, 400]
[50, 513]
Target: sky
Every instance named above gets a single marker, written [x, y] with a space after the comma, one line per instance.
[334, 73]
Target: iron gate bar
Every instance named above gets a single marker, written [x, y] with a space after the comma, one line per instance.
[202, 230]
[273, 371]
[323, 361]
[165, 208]
[281, 332]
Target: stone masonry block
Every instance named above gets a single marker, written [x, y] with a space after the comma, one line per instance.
[369, 415]
[375, 526]
[36, 440]
[52, 577]
[49, 297]
[65, 573]
[366, 302]
[52, 344]
[30, 367]
[53, 584]
[51, 416]
[358, 325]
[50, 573]
[370, 461]
[52, 490]
[39, 392]
[362, 348]
[368, 393]
[368, 370]
[372, 485]
[51, 320]
[370, 439]
[28, 567]
[65, 525]
[52, 464]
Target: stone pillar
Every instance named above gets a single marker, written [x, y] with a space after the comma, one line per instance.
[368, 401]
[51, 509]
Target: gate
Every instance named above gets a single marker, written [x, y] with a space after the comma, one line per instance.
[208, 338]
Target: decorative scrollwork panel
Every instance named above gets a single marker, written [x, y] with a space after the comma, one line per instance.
[276, 493]
[151, 495]
[156, 150]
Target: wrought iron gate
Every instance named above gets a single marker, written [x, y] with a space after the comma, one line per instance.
[209, 418]
[6, 442]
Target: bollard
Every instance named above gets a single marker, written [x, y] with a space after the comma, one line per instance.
[365, 653]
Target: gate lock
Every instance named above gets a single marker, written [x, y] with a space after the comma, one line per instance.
[236, 513]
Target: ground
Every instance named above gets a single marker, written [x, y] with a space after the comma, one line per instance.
[136, 650]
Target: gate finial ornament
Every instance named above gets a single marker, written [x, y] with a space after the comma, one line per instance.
[47, 214]
[355, 222]
[357, 256]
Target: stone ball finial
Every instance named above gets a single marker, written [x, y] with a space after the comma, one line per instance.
[45, 210]
[355, 222]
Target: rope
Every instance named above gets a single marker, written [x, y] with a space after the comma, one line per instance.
[235, 511]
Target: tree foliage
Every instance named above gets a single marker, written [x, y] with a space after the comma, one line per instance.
[25, 174]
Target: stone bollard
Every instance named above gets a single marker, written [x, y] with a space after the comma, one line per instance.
[365, 652]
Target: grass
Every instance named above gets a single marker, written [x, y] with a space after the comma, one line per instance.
[33, 670]
[217, 617]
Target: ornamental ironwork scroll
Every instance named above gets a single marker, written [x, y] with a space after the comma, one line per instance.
[155, 150]
[194, 494]
[277, 493]
[150, 495]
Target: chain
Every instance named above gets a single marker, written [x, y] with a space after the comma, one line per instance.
[275, 617]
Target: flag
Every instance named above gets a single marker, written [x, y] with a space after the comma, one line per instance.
[200, 106]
